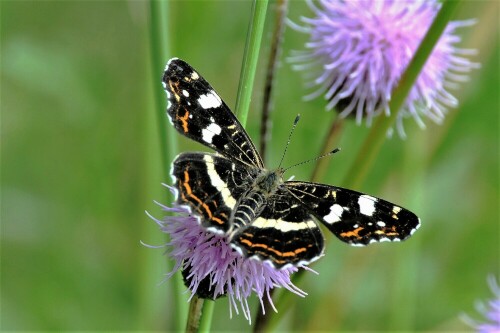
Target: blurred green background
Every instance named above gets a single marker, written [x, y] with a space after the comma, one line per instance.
[81, 162]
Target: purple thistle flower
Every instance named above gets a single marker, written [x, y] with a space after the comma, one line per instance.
[490, 310]
[212, 268]
[361, 49]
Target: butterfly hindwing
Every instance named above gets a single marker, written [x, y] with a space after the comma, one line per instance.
[354, 217]
[211, 186]
[283, 234]
[197, 111]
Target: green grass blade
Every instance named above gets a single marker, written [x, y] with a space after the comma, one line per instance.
[250, 59]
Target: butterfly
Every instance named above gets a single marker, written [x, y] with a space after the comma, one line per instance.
[264, 217]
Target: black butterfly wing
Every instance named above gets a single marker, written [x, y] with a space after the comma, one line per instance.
[354, 217]
[284, 233]
[211, 186]
[196, 111]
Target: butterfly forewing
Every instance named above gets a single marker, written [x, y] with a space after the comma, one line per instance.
[197, 111]
[354, 217]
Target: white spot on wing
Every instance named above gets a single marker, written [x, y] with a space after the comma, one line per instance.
[218, 183]
[173, 177]
[282, 225]
[335, 214]
[209, 132]
[383, 239]
[416, 228]
[396, 210]
[263, 223]
[367, 205]
[381, 223]
[168, 115]
[185, 93]
[214, 230]
[210, 100]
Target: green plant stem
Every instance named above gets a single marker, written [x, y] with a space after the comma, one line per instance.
[159, 52]
[376, 137]
[250, 59]
[272, 66]
[206, 316]
[194, 314]
[167, 139]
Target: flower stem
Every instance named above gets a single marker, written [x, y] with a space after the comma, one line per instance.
[272, 65]
[373, 143]
[194, 314]
[250, 58]
[206, 316]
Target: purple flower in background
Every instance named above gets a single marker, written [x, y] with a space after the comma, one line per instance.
[212, 268]
[490, 310]
[360, 49]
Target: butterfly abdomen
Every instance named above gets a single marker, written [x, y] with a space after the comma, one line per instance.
[248, 209]
[254, 201]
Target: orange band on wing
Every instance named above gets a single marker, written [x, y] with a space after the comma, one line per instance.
[189, 192]
[281, 254]
[184, 121]
[353, 233]
[175, 91]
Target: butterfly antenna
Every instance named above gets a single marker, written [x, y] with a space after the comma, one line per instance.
[289, 137]
[313, 159]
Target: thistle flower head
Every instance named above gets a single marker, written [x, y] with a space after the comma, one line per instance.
[490, 310]
[212, 268]
[360, 49]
